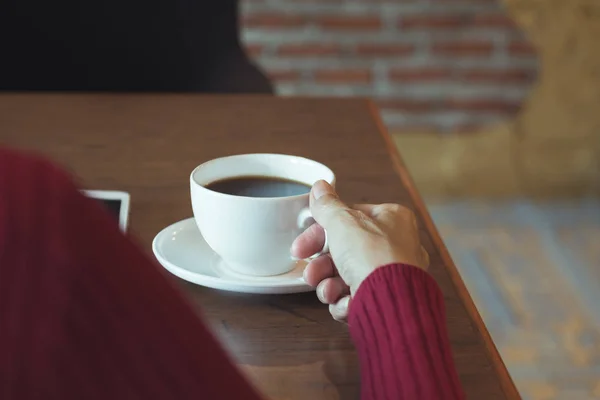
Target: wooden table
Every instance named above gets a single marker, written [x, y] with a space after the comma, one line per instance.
[147, 145]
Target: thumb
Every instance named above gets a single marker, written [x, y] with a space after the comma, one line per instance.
[325, 205]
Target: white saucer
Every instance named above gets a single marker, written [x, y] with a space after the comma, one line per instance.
[181, 249]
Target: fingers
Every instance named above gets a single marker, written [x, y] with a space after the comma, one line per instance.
[325, 205]
[330, 290]
[309, 242]
[339, 310]
[319, 269]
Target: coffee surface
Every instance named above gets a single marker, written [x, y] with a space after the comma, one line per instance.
[259, 186]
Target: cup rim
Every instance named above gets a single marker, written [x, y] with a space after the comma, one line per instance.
[332, 181]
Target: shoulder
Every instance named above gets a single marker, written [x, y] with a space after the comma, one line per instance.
[26, 169]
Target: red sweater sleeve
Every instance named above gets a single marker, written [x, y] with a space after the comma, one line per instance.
[398, 324]
[84, 314]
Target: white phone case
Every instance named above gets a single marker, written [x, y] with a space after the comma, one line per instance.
[114, 195]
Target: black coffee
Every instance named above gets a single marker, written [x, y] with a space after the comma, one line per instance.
[259, 186]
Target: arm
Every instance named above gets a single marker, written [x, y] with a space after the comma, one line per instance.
[377, 265]
[398, 324]
[83, 312]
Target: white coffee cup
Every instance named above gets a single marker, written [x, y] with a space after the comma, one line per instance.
[253, 235]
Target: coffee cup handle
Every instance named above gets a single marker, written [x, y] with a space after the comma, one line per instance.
[305, 219]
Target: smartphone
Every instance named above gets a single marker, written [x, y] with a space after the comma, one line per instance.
[116, 202]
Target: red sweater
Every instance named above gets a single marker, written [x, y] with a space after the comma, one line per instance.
[85, 314]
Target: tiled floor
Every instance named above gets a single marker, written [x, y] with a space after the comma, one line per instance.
[533, 270]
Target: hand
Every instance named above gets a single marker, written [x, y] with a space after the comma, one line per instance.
[361, 238]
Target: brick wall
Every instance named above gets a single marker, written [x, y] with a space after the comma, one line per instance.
[435, 65]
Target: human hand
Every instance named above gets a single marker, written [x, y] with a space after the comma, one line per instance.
[361, 238]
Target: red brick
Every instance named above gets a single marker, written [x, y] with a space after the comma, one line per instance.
[309, 49]
[349, 22]
[273, 21]
[418, 74]
[521, 48]
[483, 105]
[343, 76]
[496, 20]
[254, 49]
[400, 128]
[407, 105]
[463, 48]
[384, 49]
[431, 22]
[283, 75]
[498, 75]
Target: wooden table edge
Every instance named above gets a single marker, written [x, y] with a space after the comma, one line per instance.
[506, 381]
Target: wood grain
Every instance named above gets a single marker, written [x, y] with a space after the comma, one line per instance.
[148, 145]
